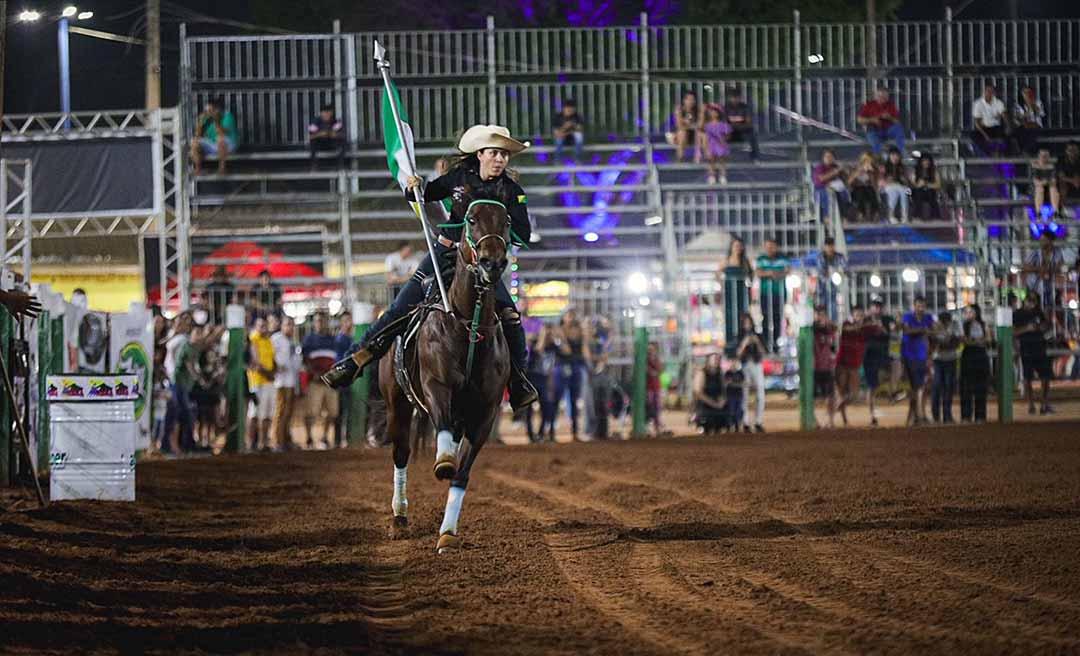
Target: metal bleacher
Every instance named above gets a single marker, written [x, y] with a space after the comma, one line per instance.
[628, 206]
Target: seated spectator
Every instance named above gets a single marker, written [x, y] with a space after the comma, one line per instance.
[1030, 326]
[741, 118]
[687, 122]
[215, 135]
[568, 127]
[399, 265]
[709, 396]
[991, 122]
[828, 179]
[714, 143]
[1044, 183]
[326, 132]
[1027, 119]
[827, 263]
[881, 120]
[1068, 171]
[1043, 268]
[926, 189]
[896, 184]
[863, 183]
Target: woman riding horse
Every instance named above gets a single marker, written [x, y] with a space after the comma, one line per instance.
[480, 172]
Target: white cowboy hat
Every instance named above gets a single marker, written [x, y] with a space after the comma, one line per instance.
[479, 137]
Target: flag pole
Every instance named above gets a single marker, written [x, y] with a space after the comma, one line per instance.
[384, 68]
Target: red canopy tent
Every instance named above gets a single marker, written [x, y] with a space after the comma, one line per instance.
[246, 273]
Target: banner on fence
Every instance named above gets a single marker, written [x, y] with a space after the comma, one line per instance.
[131, 351]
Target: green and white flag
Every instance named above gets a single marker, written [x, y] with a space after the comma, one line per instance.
[399, 148]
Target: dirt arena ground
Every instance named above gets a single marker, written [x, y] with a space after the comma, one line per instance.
[934, 541]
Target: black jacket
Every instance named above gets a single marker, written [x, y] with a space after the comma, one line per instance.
[503, 188]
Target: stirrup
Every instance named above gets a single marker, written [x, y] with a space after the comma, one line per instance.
[345, 371]
[522, 392]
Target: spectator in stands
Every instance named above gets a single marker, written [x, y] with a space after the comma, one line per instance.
[286, 381]
[751, 353]
[824, 360]
[261, 370]
[947, 337]
[219, 291]
[568, 127]
[863, 182]
[827, 265]
[654, 369]
[1068, 171]
[215, 135]
[741, 118]
[269, 298]
[735, 276]
[897, 185]
[342, 343]
[772, 269]
[926, 189]
[829, 178]
[974, 366]
[319, 351]
[1027, 119]
[854, 337]
[1029, 327]
[709, 395]
[991, 122]
[687, 122]
[714, 143]
[880, 118]
[876, 355]
[400, 266]
[1044, 183]
[915, 351]
[326, 132]
[1043, 267]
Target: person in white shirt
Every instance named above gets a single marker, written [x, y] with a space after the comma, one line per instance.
[286, 381]
[1027, 116]
[991, 122]
[399, 266]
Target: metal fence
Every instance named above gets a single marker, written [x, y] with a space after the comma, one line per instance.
[627, 80]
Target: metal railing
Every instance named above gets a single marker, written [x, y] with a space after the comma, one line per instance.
[628, 79]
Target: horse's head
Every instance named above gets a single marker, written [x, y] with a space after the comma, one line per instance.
[486, 240]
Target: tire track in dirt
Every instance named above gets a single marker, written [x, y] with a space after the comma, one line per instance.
[831, 556]
[646, 563]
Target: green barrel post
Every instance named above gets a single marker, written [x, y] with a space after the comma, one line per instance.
[641, 367]
[805, 355]
[7, 441]
[44, 361]
[361, 387]
[1006, 375]
[235, 380]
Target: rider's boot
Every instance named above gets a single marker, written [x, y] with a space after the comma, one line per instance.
[372, 347]
[522, 392]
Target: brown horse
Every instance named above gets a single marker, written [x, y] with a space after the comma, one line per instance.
[458, 405]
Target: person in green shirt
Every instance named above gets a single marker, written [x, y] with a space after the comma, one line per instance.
[772, 270]
[215, 135]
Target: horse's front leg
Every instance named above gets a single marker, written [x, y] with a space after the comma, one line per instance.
[470, 448]
[438, 400]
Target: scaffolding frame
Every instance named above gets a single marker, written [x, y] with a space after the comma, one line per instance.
[168, 219]
[16, 194]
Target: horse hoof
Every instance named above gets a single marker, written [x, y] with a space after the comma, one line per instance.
[448, 542]
[445, 468]
[401, 521]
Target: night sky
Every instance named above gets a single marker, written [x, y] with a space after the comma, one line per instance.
[109, 75]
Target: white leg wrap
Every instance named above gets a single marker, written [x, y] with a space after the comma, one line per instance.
[453, 510]
[401, 502]
[445, 444]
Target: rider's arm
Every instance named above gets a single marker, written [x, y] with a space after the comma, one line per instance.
[519, 214]
[437, 189]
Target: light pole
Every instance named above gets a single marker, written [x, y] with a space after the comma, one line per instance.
[69, 13]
